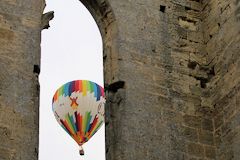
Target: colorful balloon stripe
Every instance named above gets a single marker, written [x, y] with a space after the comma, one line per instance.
[73, 124]
[96, 128]
[82, 86]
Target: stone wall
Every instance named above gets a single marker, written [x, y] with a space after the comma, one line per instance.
[171, 78]
[178, 60]
[222, 38]
[20, 26]
[159, 113]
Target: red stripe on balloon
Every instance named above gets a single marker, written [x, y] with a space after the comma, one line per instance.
[72, 86]
[76, 86]
[102, 91]
[79, 122]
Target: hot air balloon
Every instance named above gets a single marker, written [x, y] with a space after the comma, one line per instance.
[78, 107]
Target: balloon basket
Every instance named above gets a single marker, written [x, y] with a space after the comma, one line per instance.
[81, 151]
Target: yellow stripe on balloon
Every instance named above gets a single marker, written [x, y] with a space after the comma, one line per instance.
[84, 87]
[84, 123]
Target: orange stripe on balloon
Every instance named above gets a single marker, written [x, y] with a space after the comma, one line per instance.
[76, 138]
[80, 85]
[55, 96]
[80, 138]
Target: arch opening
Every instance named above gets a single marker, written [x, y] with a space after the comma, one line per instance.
[104, 19]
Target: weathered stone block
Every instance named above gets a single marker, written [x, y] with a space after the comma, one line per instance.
[210, 152]
[218, 121]
[192, 121]
[206, 137]
[190, 134]
[6, 34]
[207, 124]
[196, 150]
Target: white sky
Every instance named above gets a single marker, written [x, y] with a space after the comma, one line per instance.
[71, 49]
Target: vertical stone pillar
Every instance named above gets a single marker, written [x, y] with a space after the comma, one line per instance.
[20, 31]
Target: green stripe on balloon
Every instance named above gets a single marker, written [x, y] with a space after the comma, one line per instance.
[69, 122]
[88, 121]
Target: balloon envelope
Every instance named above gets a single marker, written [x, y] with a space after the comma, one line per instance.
[79, 108]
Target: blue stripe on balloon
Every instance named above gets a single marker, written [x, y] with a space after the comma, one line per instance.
[66, 88]
[70, 89]
[73, 124]
[88, 123]
[98, 93]
[95, 90]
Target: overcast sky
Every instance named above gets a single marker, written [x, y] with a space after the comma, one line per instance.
[71, 50]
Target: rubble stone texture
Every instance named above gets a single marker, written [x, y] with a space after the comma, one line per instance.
[171, 70]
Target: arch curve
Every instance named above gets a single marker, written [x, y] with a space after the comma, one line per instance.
[105, 19]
